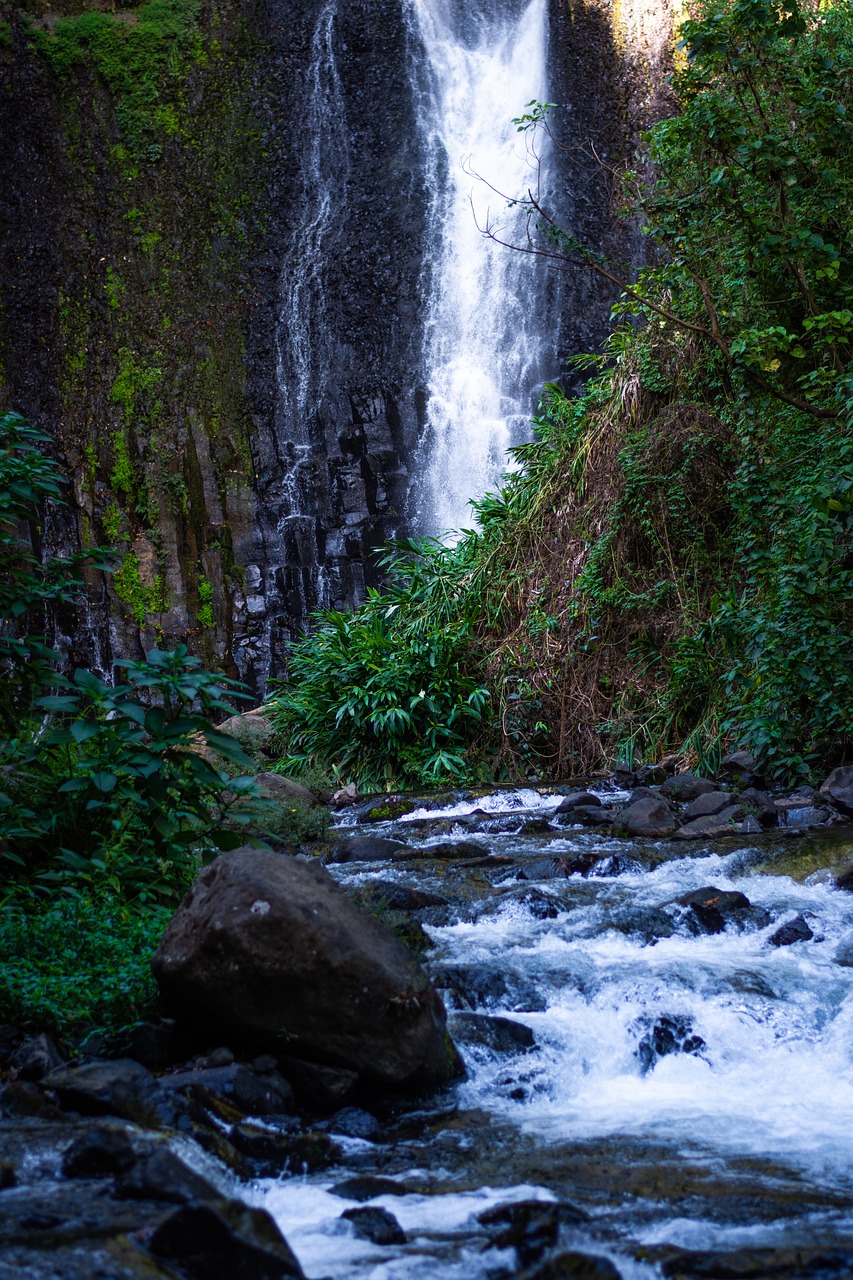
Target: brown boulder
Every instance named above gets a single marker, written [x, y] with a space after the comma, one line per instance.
[839, 788]
[648, 816]
[272, 949]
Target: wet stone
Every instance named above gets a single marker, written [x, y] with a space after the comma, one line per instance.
[163, 1176]
[275, 1152]
[650, 816]
[709, 803]
[538, 904]
[807, 817]
[224, 1240]
[376, 1225]
[355, 1122]
[616, 865]
[795, 930]
[686, 787]
[578, 800]
[119, 1087]
[34, 1059]
[587, 816]
[668, 1034]
[501, 1035]
[98, 1152]
[574, 1266]
[370, 849]
[367, 1188]
[531, 1227]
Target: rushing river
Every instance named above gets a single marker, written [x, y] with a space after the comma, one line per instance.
[741, 1138]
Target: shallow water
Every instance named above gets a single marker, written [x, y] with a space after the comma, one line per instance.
[748, 1140]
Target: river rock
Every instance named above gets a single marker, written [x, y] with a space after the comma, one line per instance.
[588, 815]
[574, 1266]
[762, 805]
[224, 1240]
[501, 1035]
[33, 1059]
[376, 1225]
[844, 952]
[264, 946]
[667, 1034]
[649, 816]
[803, 819]
[739, 767]
[651, 775]
[710, 803]
[686, 787]
[277, 1151]
[355, 1122]
[713, 825]
[838, 788]
[117, 1087]
[319, 1087]
[795, 930]
[275, 786]
[99, 1151]
[367, 1187]
[531, 1227]
[371, 849]
[389, 895]
[238, 1087]
[577, 800]
[162, 1175]
[451, 850]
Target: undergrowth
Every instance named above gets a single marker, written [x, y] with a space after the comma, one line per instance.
[670, 566]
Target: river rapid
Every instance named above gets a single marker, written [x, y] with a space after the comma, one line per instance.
[687, 1091]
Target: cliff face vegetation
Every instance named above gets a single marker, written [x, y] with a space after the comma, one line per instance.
[132, 161]
[670, 567]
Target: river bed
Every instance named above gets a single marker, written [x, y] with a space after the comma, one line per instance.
[686, 1091]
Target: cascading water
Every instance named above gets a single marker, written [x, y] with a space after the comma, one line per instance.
[485, 313]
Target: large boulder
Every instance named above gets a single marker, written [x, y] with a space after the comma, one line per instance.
[648, 816]
[838, 788]
[272, 950]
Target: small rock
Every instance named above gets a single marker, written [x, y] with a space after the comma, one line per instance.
[686, 787]
[318, 1087]
[118, 1087]
[26, 1101]
[795, 930]
[667, 1035]
[239, 1087]
[739, 766]
[537, 904]
[224, 1240]
[838, 788]
[371, 849]
[712, 825]
[274, 1152]
[616, 864]
[397, 897]
[33, 1059]
[806, 817]
[844, 952]
[575, 1266]
[501, 1035]
[97, 1152]
[750, 826]
[8, 1176]
[531, 1227]
[762, 805]
[474, 986]
[648, 817]
[163, 1176]
[218, 1058]
[450, 850]
[577, 800]
[710, 803]
[376, 1225]
[586, 816]
[155, 1044]
[349, 794]
[354, 1122]
[367, 1187]
[265, 1064]
[651, 775]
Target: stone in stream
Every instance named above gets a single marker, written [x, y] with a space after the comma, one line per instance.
[276, 1151]
[573, 1266]
[616, 864]
[648, 816]
[762, 805]
[355, 1122]
[266, 947]
[795, 930]
[666, 1035]
[501, 1035]
[117, 1087]
[587, 815]
[709, 803]
[238, 1087]
[739, 767]
[833, 1262]
[97, 1152]
[534, 902]
[578, 800]
[367, 1187]
[162, 1175]
[531, 1227]
[450, 850]
[371, 849]
[224, 1240]
[686, 787]
[713, 825]
[396, 897]
[838, 788]
[709, 910]
[319, 1087]
[844, 952]
[376, 1225]
[806, 817]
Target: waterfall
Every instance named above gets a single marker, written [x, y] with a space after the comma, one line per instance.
[485, 309]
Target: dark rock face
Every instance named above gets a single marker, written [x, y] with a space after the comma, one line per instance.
[795, 930]
[117, 1087]
[163, 1176]
[531, 1227]
[264, 943]
[501, 1035]
[98, 1151]
[686, 787]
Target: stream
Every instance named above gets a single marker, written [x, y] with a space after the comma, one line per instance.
[685, 1090]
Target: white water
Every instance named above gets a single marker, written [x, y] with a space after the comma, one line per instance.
[483, 347]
